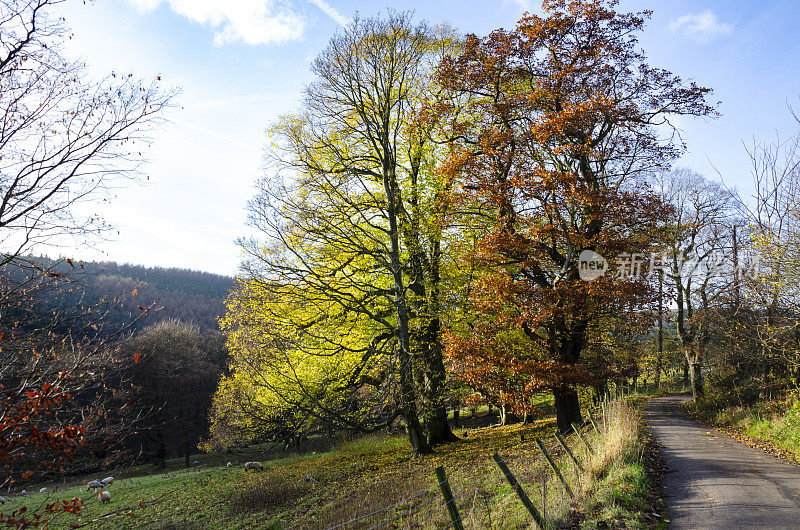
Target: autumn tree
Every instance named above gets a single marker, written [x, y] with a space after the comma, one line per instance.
[564, 120]
[350, 263]
[172, 382]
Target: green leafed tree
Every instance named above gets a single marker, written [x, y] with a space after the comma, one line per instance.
[345, 283]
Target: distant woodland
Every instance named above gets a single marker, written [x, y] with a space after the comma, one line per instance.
[192, 297]
[155, 352]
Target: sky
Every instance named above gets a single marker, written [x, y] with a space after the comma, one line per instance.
[240, 64]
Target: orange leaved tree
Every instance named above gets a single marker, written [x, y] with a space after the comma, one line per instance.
[559, 124]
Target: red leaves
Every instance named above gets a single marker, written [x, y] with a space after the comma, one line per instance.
[17, 519]
[558, 130]
[20, 427]
[141, 308]
[136, 357]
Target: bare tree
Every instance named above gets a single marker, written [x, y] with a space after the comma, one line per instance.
[698, 264]
[773, 232]
[65, 139]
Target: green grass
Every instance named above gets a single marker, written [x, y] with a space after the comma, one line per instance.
[308, 491]
[781, 429]
[620, 497]
[353, 479]
[775, 421]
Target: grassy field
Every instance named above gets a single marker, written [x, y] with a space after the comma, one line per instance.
[374, 474]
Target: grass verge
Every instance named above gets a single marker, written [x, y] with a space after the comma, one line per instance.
[621, 489]
[772, 426]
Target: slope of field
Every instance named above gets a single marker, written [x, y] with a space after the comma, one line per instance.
[317, 490]
[371, 483]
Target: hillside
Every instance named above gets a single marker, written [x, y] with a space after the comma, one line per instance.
[169, 293]
[370, 482]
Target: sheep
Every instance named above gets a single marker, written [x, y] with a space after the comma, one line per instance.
[196, 463]
[92, 484]
[23, 492]
[2, 500]
[43, 490]
[255, 466]
[103, 497]
[229, 464]
[106, 481]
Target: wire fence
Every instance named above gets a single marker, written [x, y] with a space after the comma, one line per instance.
[483, 495]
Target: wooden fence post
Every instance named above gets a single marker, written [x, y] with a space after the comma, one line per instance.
[569, 452]
[594, 423]
[555, 468]
[512, 480]
[577, 430]
[449, 501]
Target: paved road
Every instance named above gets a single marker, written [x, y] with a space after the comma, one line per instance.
[715, 481]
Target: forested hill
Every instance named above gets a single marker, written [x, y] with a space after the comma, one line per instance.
[186, 281]
[168, 293]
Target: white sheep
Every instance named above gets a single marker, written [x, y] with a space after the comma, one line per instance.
[106, 481]
[255, 466]
[92, 484]
[196, 463]
[43, 490]
[103, 497]
[23, 492]
[229, 464]
[2, 500]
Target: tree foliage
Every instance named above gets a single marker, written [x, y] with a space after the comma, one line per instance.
[348, 270]
[564, 122]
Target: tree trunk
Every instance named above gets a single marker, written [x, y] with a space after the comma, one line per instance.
[600, 391]
[457, 415]
[435, 376]
[408, 401]
[568, 408]
[161, 450]
[696, 378]
[438, 428]
[685, 374]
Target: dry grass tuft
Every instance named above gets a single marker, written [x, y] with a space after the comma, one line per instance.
[268, 494]
[620, 441]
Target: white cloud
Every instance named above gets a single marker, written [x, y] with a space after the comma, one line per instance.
[329, 10]
[248, 21]
[700, 27]
[525, 5]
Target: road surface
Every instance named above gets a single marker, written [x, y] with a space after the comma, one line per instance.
[713, 481]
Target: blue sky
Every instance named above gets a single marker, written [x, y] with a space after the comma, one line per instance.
[242, 63]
